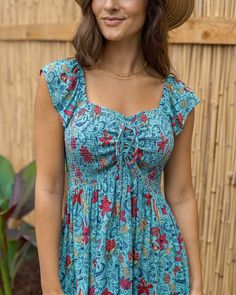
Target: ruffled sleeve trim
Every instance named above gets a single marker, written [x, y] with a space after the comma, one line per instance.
[182, 101]
[62, 77]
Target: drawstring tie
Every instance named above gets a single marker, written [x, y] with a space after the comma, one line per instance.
[127, 151]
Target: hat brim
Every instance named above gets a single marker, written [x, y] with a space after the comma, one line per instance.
[177, 11]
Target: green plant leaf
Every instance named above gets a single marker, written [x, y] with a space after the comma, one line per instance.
[13, 247]
[24, 191]
[19, 258]
[7, 176]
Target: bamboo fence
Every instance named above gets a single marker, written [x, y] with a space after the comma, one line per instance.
[34, 32]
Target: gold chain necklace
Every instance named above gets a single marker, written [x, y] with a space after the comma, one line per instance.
[118, 75]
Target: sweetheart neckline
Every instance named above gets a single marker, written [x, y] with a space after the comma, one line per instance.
[115, 112]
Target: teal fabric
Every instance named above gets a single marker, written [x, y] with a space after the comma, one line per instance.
[119, 235]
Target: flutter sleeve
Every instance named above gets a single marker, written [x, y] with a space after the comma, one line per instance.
[61, 77]
[184, 99]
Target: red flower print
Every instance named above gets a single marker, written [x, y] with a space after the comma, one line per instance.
[125, 283]
[68, 261]
[77, 196]
[97, 110]
[155, 247]
[134, 208]
[67, 218]
[134, 119]
[155, 231]
[143, 287]
[163, 209]
[148, 198]
[91, 291]
[134, 212]
[161, 144]
[156, 211]
[110, 245]
[143, 223]
[133, 255]
[65, 208]
[178, 252]
[143, 118]
[128, 188]
[75, 70]
[166, 278]
[173, 121]
[78, 173]
[122, 215]
[140, 153]
[152, 174]
[130, 255]
[161, 241]
[178, 258]
[85, 153]
[121, 258]
[136, 256]
[95, 197]
[137, 154]
[99, 243]
[72, 83]
[73, 143]
[106, 139]
[105, 206]
[180, 238]
[86, 233]
[94, 262]
[176, 269]
[69, 112]
[180, 119]
[134, 200]
[106, 292]
[63, 77]
[71, 226]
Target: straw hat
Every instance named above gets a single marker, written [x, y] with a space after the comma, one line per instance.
[177, 11]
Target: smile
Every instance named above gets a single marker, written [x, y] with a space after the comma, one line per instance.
[112, 22]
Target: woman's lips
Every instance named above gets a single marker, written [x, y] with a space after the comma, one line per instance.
[114, 22]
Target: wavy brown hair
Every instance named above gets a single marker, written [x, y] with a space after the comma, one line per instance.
[89, 42]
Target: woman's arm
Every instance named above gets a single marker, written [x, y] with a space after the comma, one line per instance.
[49, 189]
[180, 195]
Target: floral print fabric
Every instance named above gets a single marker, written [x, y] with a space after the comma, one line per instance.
[119, 235]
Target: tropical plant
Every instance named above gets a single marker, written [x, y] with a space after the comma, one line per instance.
[17, 238]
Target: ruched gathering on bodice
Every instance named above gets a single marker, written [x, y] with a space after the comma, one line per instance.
[119, 235]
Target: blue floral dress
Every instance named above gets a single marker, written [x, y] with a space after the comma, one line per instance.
[119, 235]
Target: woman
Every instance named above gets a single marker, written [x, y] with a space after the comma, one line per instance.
[119, 117]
